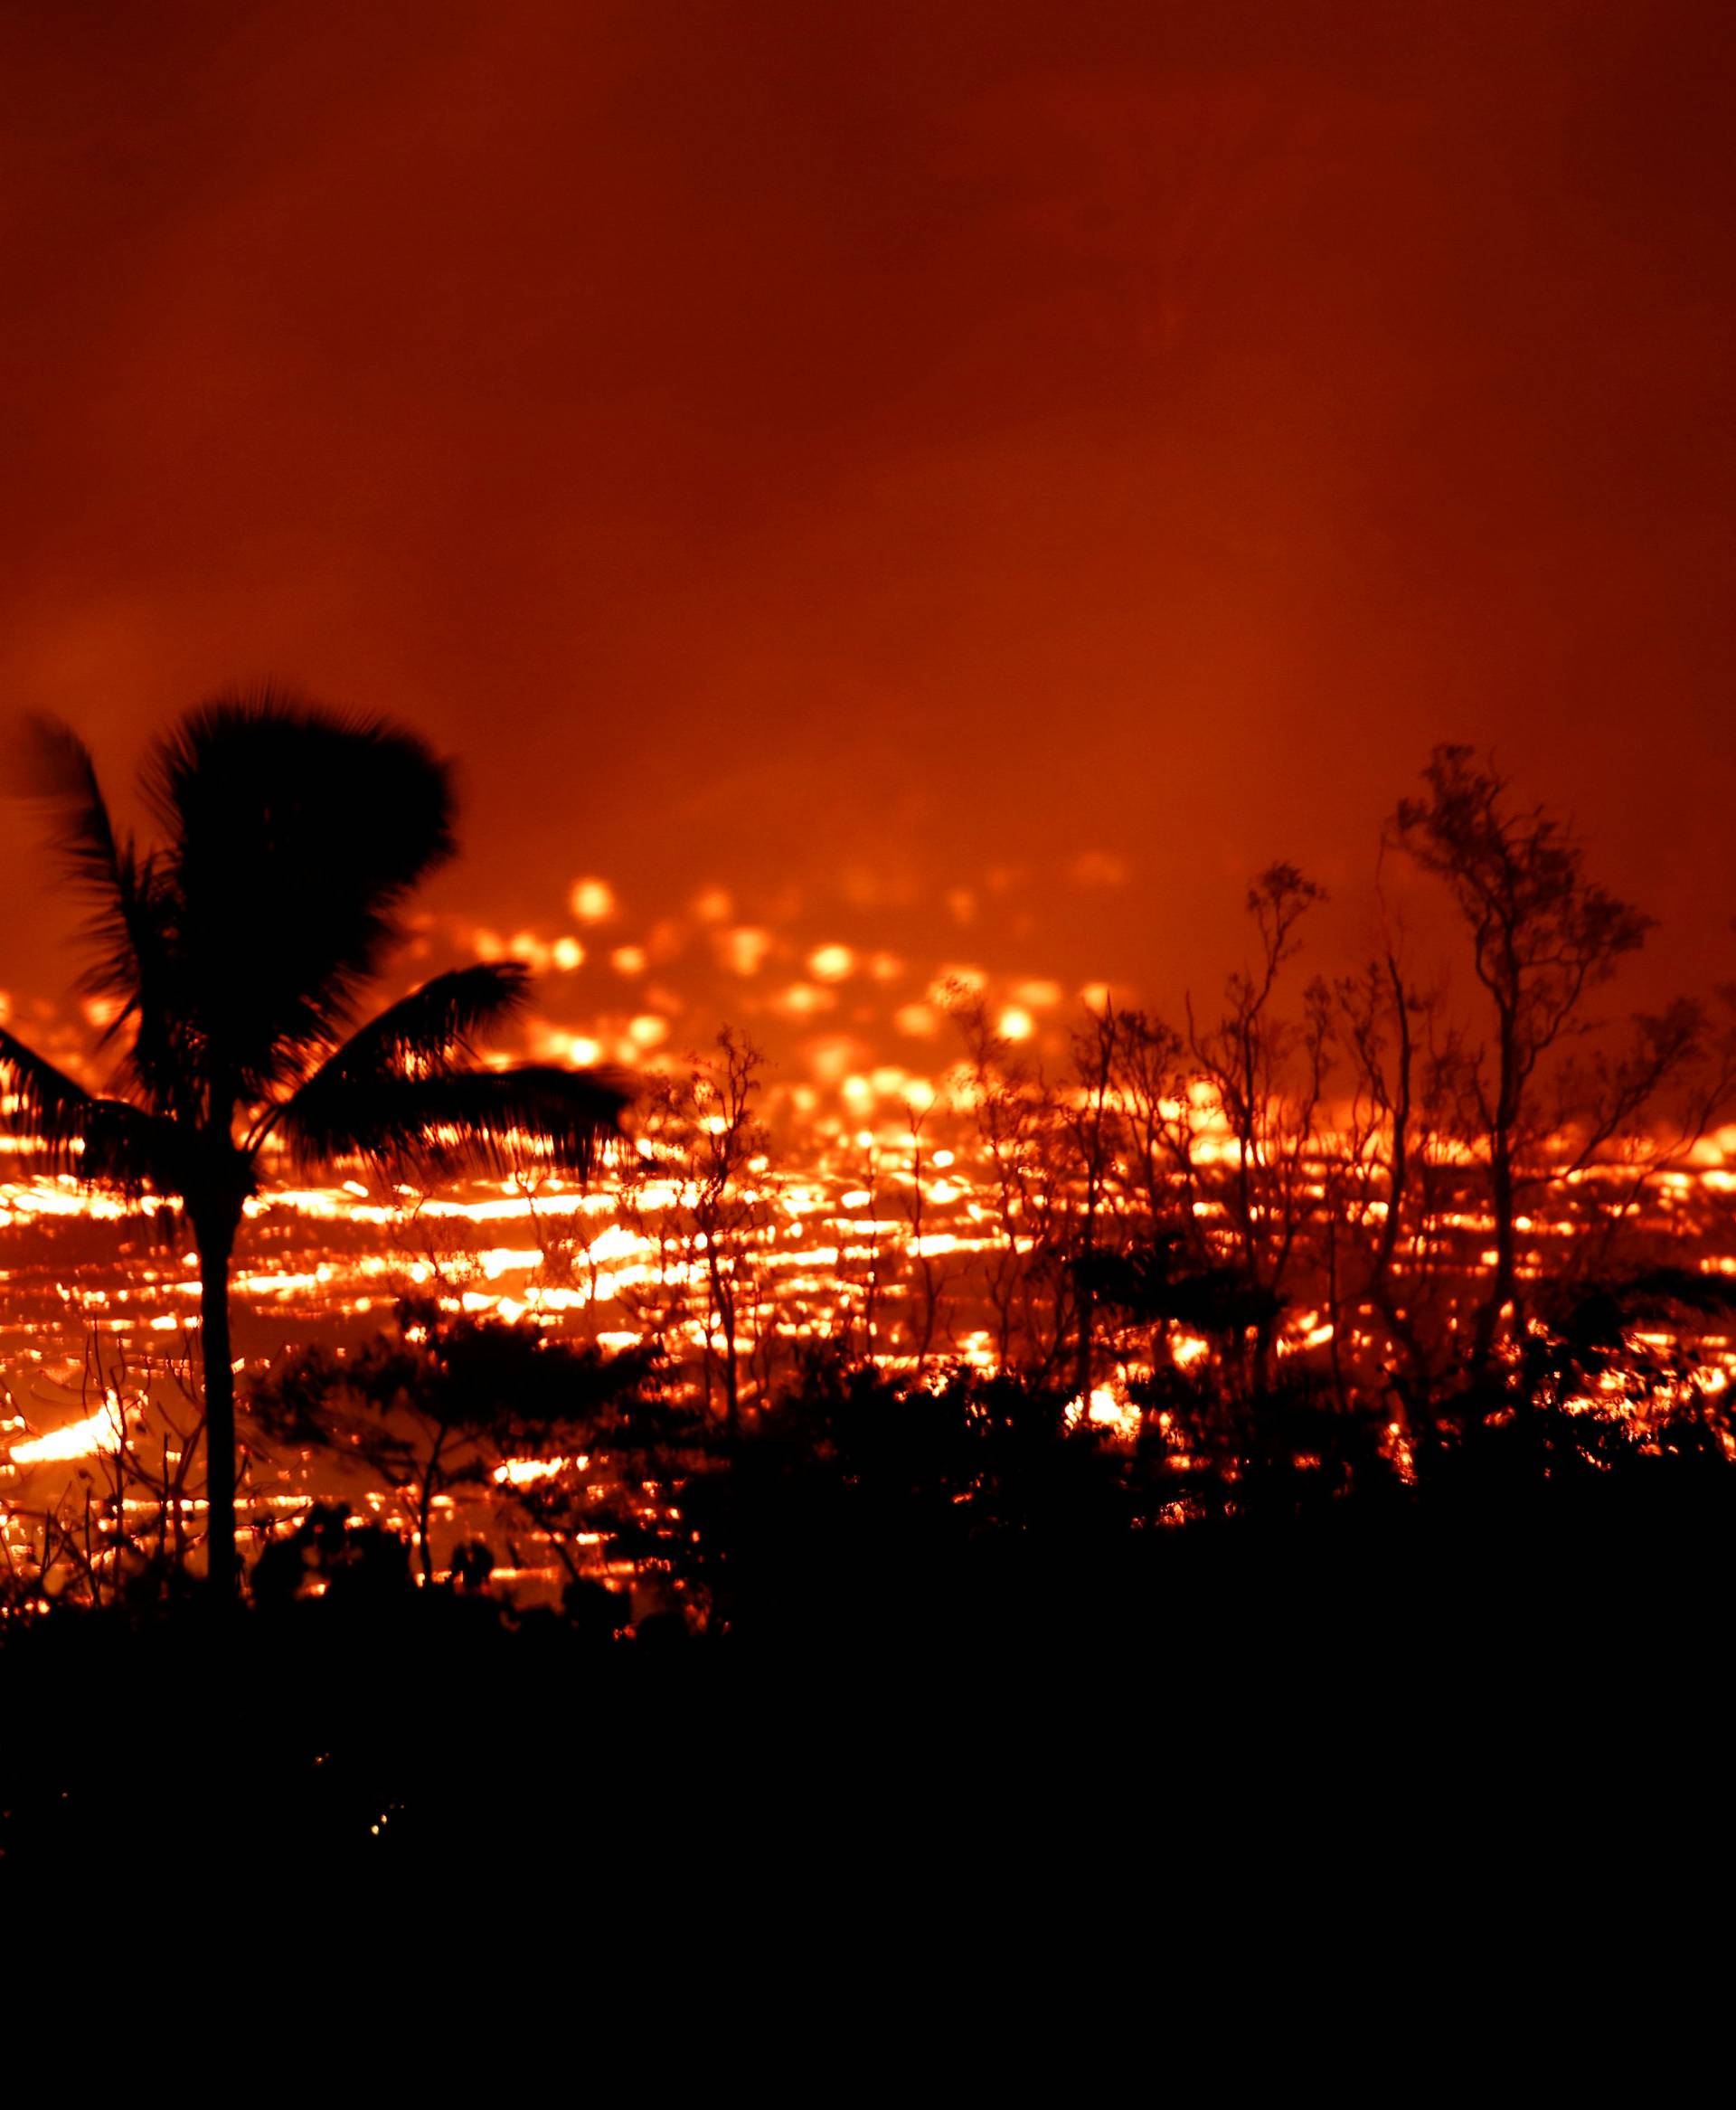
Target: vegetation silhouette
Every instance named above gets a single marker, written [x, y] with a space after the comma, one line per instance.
[1306, 1357]
[1543, 936]
[232, 958]
[445, 1400]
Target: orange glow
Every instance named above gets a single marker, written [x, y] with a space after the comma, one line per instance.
[847, 488]
[845, 1180]
[745, 948]
[593, 900]
[97, 1432]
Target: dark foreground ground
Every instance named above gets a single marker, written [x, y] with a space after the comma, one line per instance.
[1507, 1650]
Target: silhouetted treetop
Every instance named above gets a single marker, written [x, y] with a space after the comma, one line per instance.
[235, 955]
[1518, 879]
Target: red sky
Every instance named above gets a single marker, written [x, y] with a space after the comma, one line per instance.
[847, 449]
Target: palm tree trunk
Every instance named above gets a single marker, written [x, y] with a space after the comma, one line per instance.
[215, 1244]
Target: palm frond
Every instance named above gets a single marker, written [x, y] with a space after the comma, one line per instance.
[54, 767]
[475, 1123]
[295, 836]
[42, 1104]
[65, 1129]
[428, 1033]
[434, 1027]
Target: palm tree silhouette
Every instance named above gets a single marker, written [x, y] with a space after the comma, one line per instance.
[235, 955]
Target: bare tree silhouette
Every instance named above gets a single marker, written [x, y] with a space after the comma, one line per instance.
[1543, 936]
